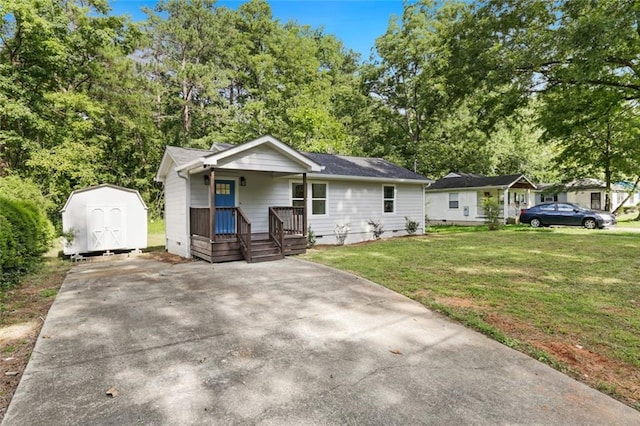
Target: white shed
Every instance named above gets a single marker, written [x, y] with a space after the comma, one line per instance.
[104, 217]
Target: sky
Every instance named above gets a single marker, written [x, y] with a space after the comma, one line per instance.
[356, 22]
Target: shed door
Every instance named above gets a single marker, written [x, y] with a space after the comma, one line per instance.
[106, 226]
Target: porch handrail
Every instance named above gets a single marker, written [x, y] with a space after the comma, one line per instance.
[244, 233]
[292, 218]
[276, 229]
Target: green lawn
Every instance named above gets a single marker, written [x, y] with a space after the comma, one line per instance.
[567, 296]
[155, 234]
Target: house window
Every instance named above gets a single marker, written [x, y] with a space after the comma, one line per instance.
[453, 200]
[223, 188]
[389, 198]
[549, 198]
[297, 194]
[318, 198]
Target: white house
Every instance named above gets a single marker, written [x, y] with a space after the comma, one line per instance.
[104, 217]
[457, 198]
[261, 197]
[588, 192]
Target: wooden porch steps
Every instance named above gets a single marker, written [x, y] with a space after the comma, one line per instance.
[263, 249]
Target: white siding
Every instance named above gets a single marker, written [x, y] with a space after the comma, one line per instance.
[175, 214]
[262, 191]
[261, 158]
[133, 232]
[199, 191]
[354, 203]
[438, 211]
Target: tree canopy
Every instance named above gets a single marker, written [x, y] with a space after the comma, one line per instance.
[549, 89]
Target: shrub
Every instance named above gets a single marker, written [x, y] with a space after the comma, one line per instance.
[311, 238]
[411, 226]
[492, 211]
[342, 231]
[25, 235]
[376, 228]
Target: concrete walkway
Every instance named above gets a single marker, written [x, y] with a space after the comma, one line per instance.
[285, 342]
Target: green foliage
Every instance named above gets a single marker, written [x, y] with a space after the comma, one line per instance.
[26, 236]
[492, 212]
[376, 228]
[410, 225]
[311, 237]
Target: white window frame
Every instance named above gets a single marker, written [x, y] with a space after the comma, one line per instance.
[326, 198]
[394, 199]
[310, 196]
[457, 200]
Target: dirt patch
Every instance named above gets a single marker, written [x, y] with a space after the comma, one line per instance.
[166, 257]
[22, 313]
[619, 379]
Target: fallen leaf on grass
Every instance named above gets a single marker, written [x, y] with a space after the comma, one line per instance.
[11, 373]
[396, 351]
[112, 392]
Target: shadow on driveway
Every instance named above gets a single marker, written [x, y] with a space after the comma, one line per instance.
[286, 342]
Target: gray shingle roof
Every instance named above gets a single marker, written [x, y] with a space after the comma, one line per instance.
[337, 165]
[361, 166]
[468, 180]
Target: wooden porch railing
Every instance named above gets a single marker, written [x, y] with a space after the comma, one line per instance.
[292, 219]
[199, 221]
[244, 234]
[276, 229]
[226, 222]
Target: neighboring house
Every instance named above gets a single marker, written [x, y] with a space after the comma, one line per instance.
[457, 198]
[104, 217]
[588, 192]
[261, 197]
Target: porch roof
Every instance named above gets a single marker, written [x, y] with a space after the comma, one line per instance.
[473, 181]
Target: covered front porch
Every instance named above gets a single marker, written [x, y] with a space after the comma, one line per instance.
[233, 237]
[240, 202]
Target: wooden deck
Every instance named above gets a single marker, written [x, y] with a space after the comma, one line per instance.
[228, 249]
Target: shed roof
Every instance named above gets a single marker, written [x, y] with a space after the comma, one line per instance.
[103, 185]
[469, 180]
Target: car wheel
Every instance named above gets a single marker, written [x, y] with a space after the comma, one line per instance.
[535, 223]
[590, 223]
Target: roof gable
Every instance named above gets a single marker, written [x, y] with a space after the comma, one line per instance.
[103, 185]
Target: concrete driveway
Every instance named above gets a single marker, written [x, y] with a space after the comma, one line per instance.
[285, 342]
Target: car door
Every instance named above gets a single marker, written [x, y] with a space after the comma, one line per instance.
[547, 214]
[567, 215]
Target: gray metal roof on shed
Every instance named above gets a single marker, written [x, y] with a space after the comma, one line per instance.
[468, 180]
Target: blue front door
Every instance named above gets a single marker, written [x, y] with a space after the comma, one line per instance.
[225, 197]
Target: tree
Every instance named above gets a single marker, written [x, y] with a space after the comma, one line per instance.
[581, 57]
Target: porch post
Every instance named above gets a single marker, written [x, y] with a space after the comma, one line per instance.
[304, 208]
[505, 206]
[212, 205]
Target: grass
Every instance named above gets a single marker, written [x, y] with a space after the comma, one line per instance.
[155, 234]
[628, 221]
[567, 296]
